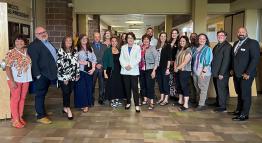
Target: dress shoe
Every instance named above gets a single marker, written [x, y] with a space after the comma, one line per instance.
[220, 109]
[240, 118]
[127, 106]
[101, 102]
[44, 120]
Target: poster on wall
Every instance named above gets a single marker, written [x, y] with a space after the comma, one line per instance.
[25, 30]
[13, 31]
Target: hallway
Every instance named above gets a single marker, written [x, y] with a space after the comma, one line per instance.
[106, 125]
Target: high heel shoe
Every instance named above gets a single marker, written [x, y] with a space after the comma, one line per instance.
[137, 109]
[63, 111]
[127, 106]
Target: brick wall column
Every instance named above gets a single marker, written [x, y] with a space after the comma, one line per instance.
[93, 26]
[59, 20]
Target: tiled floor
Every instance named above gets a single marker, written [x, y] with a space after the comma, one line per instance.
[103, 124]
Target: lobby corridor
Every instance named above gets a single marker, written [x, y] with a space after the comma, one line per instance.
[102, 124]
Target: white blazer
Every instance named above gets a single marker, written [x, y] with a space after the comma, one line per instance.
[131, 59]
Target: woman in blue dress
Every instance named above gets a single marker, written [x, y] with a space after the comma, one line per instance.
[83, 87]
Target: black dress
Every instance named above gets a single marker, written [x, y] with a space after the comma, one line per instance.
[115, 83]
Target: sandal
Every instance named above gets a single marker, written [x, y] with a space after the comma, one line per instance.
[163, 103]
[151, 106]
[17, 124]
[23, 121]
[85, 110]
[159, 101]
[144, 102]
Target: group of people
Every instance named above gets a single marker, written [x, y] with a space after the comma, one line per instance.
[121, 67]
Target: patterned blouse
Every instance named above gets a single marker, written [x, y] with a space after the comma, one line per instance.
[68, 66]
[20, 64]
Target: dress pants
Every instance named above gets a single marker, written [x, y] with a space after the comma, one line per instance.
[42, 85]
[243, 90]
[222, 91]
[66, 91]
[131, 86]
[98, 74]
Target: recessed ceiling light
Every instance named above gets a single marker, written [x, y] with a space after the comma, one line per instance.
[115, 26]
[134, 22]
[133, 29]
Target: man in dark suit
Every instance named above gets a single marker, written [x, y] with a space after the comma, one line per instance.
[44, 70]
[245, 59]
[99, 50]
[220, 68]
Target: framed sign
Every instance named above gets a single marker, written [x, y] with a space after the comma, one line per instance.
[25, 30]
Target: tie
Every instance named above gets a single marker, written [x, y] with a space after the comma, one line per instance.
[98, 46]
[237, 48]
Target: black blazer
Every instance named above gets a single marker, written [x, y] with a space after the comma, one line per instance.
[43, 62]
[221, 59]
[246, 59]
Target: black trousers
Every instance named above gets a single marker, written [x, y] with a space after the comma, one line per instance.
[222, 91]
[131, 86]
[163, 81]
[147, 84]
[182, 82]
[66, 91]
[98, 74]
[243, 90]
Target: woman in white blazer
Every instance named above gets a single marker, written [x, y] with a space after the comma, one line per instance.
[129, 59]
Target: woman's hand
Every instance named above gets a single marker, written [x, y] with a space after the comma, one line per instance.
[105, 75]
[202, 75]
[66, 82]
[91, 71]
[153, 74]
[167, 72]
[13, 85]
[77, 78]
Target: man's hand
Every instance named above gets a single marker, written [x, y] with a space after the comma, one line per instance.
[220, 77]
[245, 76]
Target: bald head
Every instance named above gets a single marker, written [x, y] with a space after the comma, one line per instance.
[40, 33]
[242, 33]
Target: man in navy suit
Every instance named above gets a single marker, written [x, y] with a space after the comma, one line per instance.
[99, 49]
[245, 58]
[44, 70]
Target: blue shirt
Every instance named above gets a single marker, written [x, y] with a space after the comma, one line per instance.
[97, 44]
[51, 48]
[129, 50]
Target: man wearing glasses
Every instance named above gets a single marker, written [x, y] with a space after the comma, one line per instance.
[44, 70]
[220, 68]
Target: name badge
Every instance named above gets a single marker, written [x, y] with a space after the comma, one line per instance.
[243, 50]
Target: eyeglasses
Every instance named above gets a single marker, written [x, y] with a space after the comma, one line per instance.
[40, 33]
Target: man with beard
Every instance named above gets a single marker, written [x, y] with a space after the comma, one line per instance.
[44, 70]
[153, 40]
[245, 58]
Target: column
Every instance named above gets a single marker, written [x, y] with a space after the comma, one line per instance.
[168, 24]
[199, 15]
[4, 92]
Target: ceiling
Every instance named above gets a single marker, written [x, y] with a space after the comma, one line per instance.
[118, 22]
